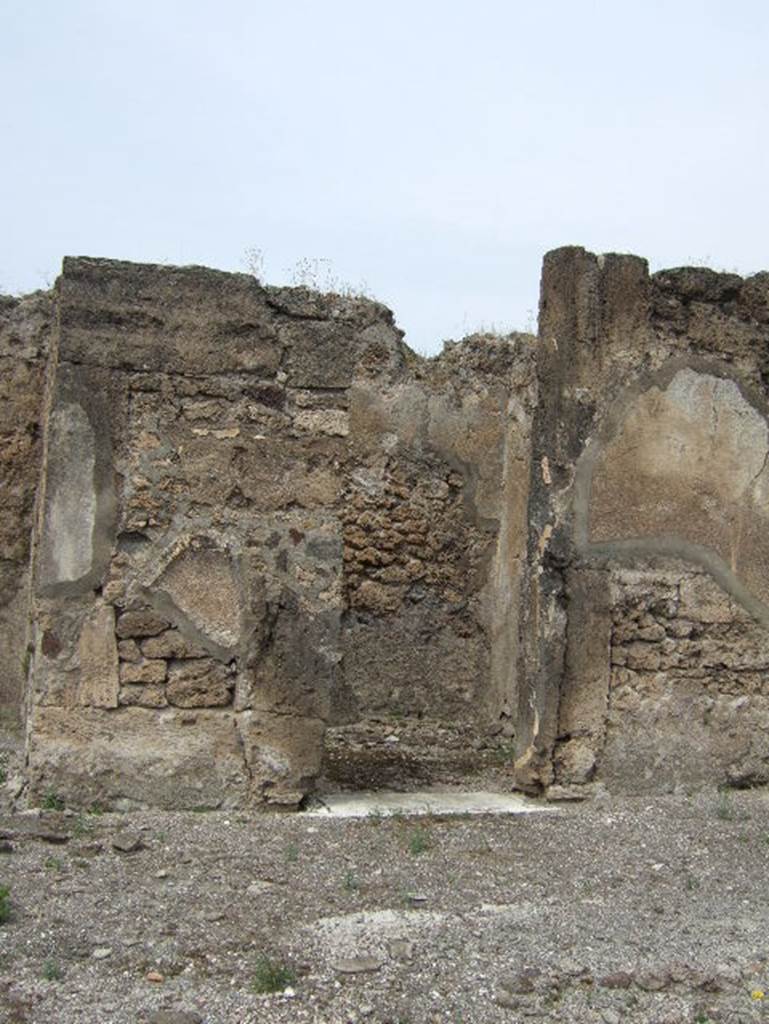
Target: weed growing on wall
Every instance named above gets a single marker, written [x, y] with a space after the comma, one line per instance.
[316, 273]
[253, 259]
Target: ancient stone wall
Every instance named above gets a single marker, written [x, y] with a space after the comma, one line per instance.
[25, 332]
[274, 549]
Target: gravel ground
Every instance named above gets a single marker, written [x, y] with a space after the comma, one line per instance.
[613, 910]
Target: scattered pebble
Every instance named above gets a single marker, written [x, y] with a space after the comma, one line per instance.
[259, 887]
[653, 979]
[400, 949]
[619, 979]
[127, 842]
[55, 838]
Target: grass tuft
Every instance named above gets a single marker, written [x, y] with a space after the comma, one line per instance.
[419, 842]
[51, 971]
[52, 802]
[5, 904]
[271, 976]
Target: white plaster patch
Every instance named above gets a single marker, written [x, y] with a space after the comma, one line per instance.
[71, 515]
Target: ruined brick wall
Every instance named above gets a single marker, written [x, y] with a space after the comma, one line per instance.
[262, 517]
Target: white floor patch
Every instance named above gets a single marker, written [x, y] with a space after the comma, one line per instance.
[383, 803]
[370, 932]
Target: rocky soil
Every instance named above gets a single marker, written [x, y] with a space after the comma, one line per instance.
[650, 910]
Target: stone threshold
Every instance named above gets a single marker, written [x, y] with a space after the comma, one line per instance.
[386, 803]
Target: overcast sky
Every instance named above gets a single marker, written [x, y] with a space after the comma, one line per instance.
[431, 150]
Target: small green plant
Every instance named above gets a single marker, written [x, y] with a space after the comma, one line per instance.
[271, 976]
[419, 842]
[52, 802]
[81, 827]
[505, 753]
[351, 882]
[292, 853]
[53, 864]
[692, 883]
[5, 904]
[725, 808]
[51, 971]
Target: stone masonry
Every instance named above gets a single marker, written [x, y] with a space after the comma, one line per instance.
[250, 543]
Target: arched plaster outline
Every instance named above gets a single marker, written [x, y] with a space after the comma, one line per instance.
[667, 545]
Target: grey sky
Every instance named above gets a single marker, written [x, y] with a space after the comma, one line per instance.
[434, 150]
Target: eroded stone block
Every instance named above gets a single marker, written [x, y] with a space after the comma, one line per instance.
[171, 644]
[140, 755]
[99, 683]
[199, 683]
[145, 671]
[140, 623]
[284, 754]
[201, 583]
[147, 695]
